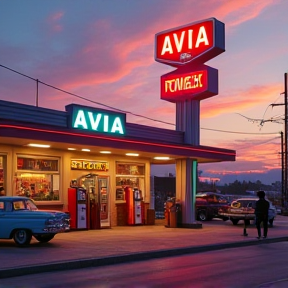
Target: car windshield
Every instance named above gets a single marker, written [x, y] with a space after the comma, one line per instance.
[31, 205]
[24, 205]
[251, 202]
[247, 203]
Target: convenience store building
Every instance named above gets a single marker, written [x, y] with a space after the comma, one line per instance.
[44, 173]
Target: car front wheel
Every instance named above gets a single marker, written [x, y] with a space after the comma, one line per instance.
[202, 216]
[271, 222]
[44, 238]
[22, 237]
[235, 221]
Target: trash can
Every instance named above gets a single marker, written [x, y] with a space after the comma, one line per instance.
[166, 215]
[170, 213]
[150, 217]
[173, 217]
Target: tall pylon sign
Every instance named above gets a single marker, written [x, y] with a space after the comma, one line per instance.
[187, 48]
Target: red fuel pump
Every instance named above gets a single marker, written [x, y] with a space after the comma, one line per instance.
[134, 204]
[77, 206]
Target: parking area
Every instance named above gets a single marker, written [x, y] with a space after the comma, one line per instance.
[135, 242]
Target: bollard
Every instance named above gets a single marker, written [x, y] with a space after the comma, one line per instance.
[244, 231]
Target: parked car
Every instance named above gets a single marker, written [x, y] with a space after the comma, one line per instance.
[208, 204]
[244, 209]
[20, 219]
[279, 209]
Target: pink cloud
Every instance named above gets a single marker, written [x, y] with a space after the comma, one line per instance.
[253, 156]
[233, 13]
[240, 100]
[103, 48]
[238, 12]
[54, 19]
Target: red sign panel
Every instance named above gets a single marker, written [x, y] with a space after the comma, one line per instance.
[198, 41]
[182, 85]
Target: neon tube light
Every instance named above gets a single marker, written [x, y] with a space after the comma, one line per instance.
[118, 139]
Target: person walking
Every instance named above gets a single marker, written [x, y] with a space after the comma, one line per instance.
[261, 214]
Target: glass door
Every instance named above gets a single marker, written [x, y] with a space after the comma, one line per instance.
[103, 186]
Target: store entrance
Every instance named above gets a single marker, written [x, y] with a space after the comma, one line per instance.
[88, 202]
[98, 211]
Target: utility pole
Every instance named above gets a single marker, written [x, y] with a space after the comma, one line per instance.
[282, 170]
[284, 146]
[285, 141]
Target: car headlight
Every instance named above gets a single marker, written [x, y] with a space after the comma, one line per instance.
[50, 221]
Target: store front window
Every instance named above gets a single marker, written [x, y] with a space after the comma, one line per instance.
[131, 175]
[37, 178]
[3, 162]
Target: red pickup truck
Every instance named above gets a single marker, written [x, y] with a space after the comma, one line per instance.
[208, 205]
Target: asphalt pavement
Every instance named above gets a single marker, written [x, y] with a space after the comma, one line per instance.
[92, 248]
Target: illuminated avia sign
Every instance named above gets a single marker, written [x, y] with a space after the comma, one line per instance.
[198, 41]
[98, 120]
[183, 85]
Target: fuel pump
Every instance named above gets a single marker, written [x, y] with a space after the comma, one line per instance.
[134, 204]
[88, 200]
[77, 206]
[90, 183]
[138, 207]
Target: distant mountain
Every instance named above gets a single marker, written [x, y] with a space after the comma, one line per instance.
[266, 178]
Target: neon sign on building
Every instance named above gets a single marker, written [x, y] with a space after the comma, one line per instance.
[96, 120]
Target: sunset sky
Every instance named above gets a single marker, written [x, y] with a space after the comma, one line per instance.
[103, 50]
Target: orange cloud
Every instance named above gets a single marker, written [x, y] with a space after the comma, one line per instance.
[240, 100]
[253, 155]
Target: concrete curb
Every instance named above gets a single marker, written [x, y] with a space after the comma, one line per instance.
[119, 259]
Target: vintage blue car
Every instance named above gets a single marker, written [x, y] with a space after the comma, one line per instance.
[20, 219]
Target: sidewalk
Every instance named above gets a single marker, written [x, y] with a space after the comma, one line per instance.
[79, 249]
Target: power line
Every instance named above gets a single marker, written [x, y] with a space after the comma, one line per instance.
[86, 99]
[235, 132]
[123, 111]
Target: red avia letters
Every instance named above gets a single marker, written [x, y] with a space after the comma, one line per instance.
[195, 42]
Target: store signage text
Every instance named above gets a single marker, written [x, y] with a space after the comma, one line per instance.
[181, 85]
[199, 41]
[89, 165]
[192, 81]
[98, 121]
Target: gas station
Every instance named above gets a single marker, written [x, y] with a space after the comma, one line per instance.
[93, 164]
